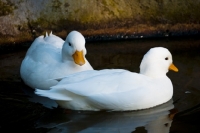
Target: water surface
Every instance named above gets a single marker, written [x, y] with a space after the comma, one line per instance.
[23, 111]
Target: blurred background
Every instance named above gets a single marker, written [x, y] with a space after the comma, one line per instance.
[23, 20]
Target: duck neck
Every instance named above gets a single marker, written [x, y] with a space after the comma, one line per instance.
[153, 71]
[65, 53]
[153, 74]
[66, 58]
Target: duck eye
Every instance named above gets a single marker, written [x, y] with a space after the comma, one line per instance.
[166, 58]
[69, 44]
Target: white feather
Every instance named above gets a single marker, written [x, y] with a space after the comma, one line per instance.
[51, 58]
[117, 89]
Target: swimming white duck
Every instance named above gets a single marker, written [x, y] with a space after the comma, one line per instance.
[51, 57]
[117, 90]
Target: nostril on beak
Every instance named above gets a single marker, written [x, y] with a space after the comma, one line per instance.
[81, 63]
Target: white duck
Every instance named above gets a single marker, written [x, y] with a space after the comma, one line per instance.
[117, 90]
[51, 57]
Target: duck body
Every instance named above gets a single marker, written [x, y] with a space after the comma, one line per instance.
[46, 59]
[115, 89]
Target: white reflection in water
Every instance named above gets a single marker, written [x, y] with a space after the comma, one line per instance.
[46, 102]
[160, 125]
[154, 120]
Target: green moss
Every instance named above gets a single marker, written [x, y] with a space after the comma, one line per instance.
[76, 11]
[108, 3]
[184, 13]
[121, 12]
[56, 4]
[40, 22]
[169, 12]
[6, 8]
[111, 13]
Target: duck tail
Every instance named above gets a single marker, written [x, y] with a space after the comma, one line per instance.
[50, 33]
[46, 35]
[54, 95]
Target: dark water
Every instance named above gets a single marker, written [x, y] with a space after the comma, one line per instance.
[22, 111]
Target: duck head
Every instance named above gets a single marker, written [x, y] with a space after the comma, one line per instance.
[74, 48]
[157, 62]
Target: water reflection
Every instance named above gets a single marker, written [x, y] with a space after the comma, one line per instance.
[46, 102]
[154, 120]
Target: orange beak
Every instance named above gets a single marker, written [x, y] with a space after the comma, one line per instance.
[79, 58]
[173, 68]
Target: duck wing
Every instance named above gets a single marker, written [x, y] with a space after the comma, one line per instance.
[59, 92]
[86, 74]
[102, 82]
[54, 41]
[35, 66]
[42, 51]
